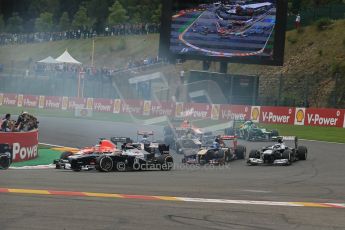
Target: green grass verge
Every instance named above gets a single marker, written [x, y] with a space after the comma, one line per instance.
[330, 134]
[70, 114]
[45, 157]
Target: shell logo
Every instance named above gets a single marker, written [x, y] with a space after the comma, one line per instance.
[147, 108]
[20, 100]
[300, 115]
[64, 103]
[41, 102]
[179, 109]
[89, 103]
[117, 106]
[255, 114]
[215, 112]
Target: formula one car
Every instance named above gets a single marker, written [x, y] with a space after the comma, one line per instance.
[188, 147]
[5, 156]
[279, 153]
[86, 157]
[174, 134]
[217, 154]
[251, 132]
[137, 156]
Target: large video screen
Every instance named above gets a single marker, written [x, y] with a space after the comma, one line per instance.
[242, 31]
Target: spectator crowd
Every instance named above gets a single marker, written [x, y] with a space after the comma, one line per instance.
[116, 30]
[25, 122]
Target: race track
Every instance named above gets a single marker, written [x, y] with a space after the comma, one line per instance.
[230, 190]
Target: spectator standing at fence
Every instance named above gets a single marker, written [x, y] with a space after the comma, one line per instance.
[298, 21]
[5, 123]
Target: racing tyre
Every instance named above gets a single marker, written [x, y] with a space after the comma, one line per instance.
[65, 155]
[302, 152]
[240, 152]
[274, 133]
[287, 155]
[254, 154]
[5, 162]
[169, 140]
[104, 164]
[166, 162]
[229, 131]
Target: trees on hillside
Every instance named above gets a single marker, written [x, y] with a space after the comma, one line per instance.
[44, 23]
[82, 20]
[117, 14]
[14, 23]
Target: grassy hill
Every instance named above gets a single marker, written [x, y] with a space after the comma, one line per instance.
[310, 54]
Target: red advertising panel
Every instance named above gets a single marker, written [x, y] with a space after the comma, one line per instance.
[10, 99]
[134, 107]
[30, 101]
[234, 112]
[75, 102]
[24, 144]
[324, 117]
[103, 105]
[277, 115]
[162, 109]
[197, 110]
[52, 102]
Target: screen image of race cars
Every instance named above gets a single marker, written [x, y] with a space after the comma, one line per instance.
[238, 28]
[284, 152]
[118, 154]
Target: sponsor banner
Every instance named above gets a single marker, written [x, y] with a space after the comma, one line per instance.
[30, 101]
[147, 108]
[24, 144]
[299, 116]
[117, 106]
[41, 102]
[196, 110]
[89, 103]
[234, 112]
[324, 117]
[162, 109]
[179, 109]
[52, 102]
[277, 115]
[64, 104]
[215, 111]
[1, 98]
[103, 105]
[20, 100]
[82, 112]
[75, 102]
[134, 107]
[10, 99]
[255, 114]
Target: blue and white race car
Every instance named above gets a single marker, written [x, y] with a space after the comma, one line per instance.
[279, 153]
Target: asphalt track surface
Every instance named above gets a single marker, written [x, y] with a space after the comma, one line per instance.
[319, 179]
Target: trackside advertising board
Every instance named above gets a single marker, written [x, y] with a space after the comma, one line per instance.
[221, 112]
[24, 144]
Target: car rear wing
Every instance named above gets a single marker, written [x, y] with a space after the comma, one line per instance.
[229, 137]
[142, 133]
[116, 140]
[286, 138]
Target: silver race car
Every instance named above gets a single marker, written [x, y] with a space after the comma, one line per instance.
[279, 153]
